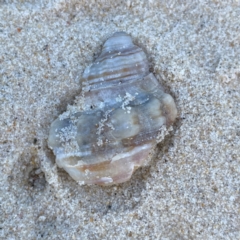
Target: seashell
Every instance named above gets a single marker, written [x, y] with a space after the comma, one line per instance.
[116, 123]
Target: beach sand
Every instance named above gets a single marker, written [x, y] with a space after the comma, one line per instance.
[190, 190]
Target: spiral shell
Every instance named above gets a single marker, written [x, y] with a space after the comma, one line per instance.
[118, 119]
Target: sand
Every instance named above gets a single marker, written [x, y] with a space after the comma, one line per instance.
[190, 190]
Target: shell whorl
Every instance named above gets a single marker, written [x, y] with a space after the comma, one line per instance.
[120, 60]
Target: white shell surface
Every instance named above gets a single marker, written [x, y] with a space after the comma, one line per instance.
[114, 127]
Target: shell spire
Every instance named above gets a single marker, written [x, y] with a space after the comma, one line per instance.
[120, 59]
